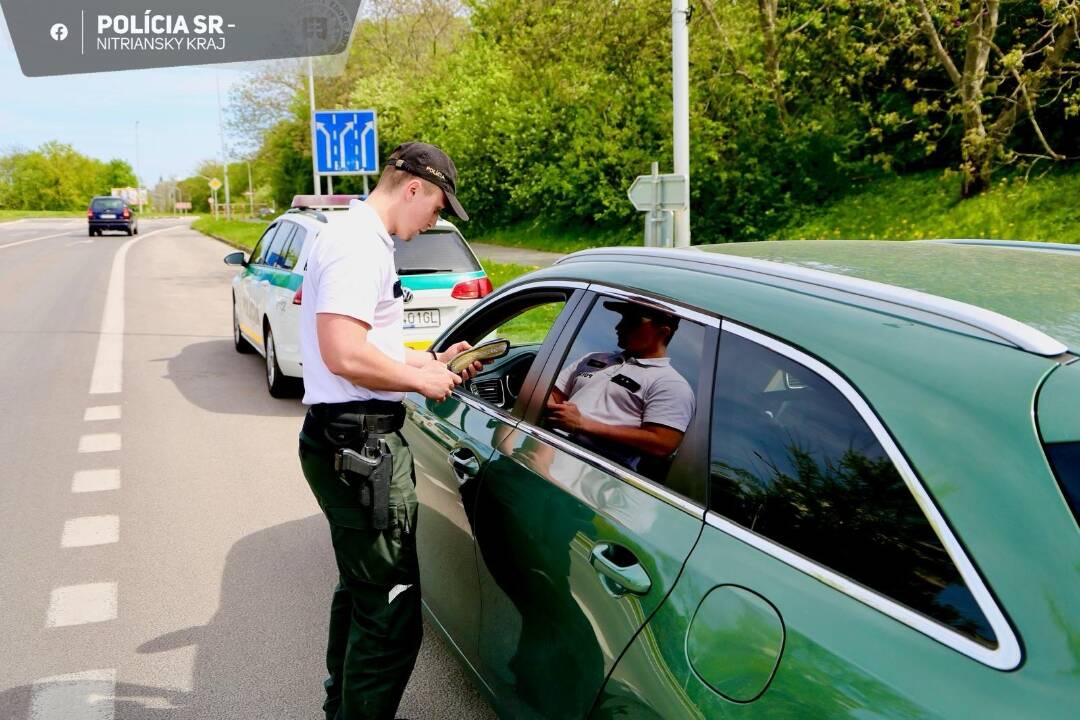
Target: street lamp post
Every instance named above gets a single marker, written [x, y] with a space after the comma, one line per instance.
[224, 151]
[138, 175]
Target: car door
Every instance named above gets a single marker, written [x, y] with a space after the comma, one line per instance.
[451, 442]
[247, 286]
[825, 583]
[578, 542]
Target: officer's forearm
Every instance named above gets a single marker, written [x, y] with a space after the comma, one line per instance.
[365, 365]
[417, 358]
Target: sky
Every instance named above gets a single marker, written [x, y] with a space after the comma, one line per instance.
[176, 109]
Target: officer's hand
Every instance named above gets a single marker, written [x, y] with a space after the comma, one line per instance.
[456, 349]
[436, 382]
[453, 351]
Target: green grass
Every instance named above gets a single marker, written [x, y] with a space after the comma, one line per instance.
[237, 233]
[532, 325]
[928, 205]
[6, 215]
[537, 236]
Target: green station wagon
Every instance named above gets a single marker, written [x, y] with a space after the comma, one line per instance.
[765, 480]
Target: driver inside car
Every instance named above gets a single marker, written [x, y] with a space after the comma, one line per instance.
[628, 405]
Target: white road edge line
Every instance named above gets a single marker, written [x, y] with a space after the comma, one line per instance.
[89, 695]
[109, 361]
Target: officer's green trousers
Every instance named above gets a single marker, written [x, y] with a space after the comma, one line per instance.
[375, 620]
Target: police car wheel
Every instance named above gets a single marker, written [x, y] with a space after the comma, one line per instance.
[239, 342]
[278, 385]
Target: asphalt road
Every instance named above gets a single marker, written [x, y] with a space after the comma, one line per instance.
[160, 554]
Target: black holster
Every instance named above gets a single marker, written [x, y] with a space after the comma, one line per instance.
[369, 472]
[362, 458]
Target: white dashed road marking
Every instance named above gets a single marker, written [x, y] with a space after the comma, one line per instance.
[30, 240]
[87, 695]
[86, 481]
[91, 530]
[102, 412]
[101, 442]
[81, 604]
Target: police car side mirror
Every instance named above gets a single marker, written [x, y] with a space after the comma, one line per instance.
[236, 258]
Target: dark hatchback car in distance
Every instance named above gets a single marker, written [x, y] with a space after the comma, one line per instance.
[111, 213]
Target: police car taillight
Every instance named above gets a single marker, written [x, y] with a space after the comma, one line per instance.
[471, 289]
[298, 296]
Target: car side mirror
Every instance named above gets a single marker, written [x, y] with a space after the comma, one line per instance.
[236, 258]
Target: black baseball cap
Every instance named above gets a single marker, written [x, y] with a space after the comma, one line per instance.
[432, 164]
[658, 315]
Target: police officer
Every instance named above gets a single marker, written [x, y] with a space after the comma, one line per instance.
[356, 371]
[630, 404]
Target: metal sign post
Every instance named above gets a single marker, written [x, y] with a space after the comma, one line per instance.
[660, 197]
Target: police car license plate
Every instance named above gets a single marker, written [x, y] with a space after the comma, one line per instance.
[421, 319]
[108, 216]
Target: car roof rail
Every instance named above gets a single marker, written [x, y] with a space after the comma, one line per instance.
[1063, 248]
[1012, 332]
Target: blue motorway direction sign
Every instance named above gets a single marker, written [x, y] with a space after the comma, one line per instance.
[346, 142]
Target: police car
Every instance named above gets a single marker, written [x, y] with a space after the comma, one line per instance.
[437, 267]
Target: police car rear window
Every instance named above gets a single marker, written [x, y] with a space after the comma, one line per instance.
[436, 251]
[108, 204]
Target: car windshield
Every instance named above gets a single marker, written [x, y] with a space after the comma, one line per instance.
[435, 251]
[108, 204]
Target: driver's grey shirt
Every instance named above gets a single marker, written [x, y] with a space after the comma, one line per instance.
[615, 389]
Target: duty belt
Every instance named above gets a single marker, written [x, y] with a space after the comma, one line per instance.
[346, 424]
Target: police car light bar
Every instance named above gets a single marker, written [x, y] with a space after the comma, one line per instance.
[302, 202]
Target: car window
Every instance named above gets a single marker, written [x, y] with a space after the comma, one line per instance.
[1065, 459]
[626, 390]
[433, 251]
[267, 238]
[108, 204]
[275, 250]
[793, 461]
[526, 320]
[292, 251]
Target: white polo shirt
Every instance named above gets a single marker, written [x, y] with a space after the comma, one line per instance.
[350, 271]
[618, 390]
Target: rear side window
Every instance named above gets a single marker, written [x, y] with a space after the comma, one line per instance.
[1065, 459]
[793, 461]
[108, 204]
[435, 251]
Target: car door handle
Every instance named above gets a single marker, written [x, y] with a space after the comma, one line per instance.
[464, 463]
[624, 571]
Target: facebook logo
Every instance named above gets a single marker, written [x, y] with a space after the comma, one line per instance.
[58, 32]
